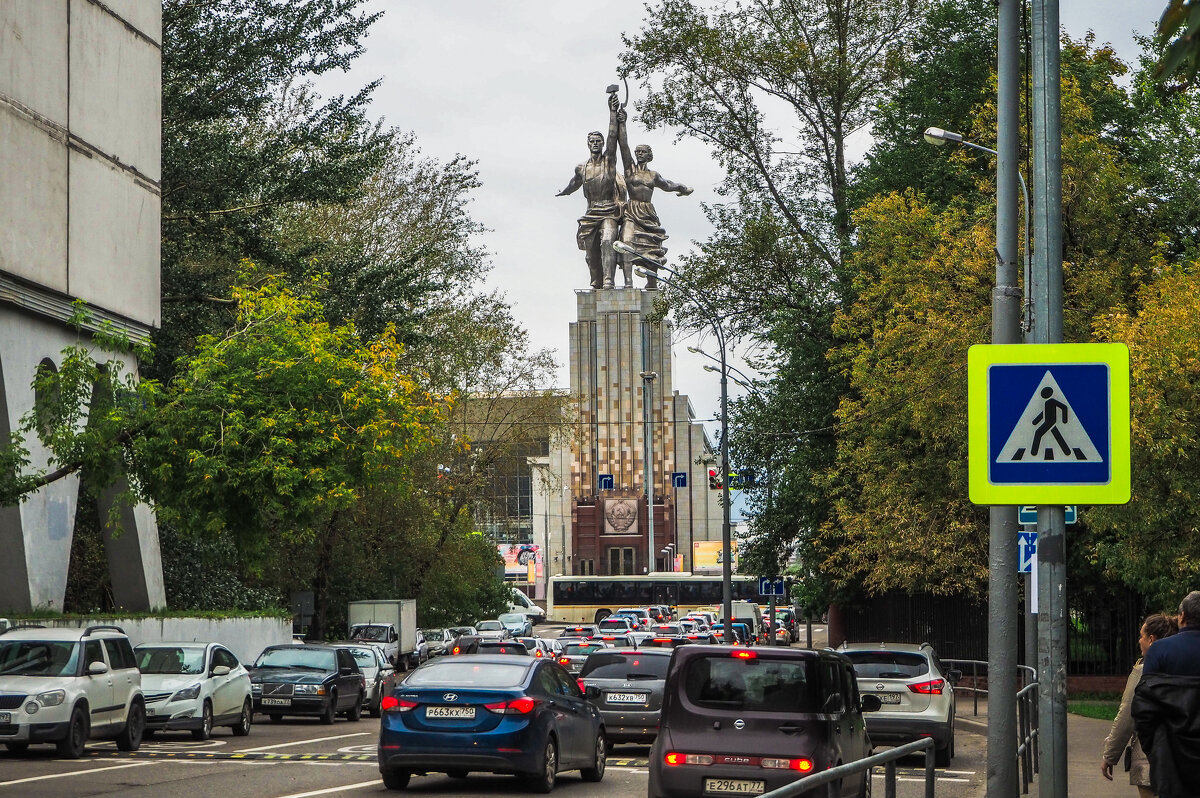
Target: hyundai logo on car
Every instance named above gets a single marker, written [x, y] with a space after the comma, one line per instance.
[450, 697]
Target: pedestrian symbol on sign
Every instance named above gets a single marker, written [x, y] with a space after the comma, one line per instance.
[1049, 430]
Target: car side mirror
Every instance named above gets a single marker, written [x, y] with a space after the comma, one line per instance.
[954, 676]
[97, 668]
[220, 670]
[834, 704]
[869, 703]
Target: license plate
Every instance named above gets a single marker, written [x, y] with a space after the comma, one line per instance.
[450, 712]
[276, 702]
[888, 698]
[5, 717]
[735, 786]
[626, 698]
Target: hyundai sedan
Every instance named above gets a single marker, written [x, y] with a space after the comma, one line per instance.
[493, 714]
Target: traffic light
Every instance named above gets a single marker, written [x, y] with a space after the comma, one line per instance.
[714, 479]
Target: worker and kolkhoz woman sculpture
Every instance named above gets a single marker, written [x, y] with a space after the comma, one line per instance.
[619, 207]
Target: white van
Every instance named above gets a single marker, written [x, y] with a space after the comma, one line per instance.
[749, 613]
[521, 603]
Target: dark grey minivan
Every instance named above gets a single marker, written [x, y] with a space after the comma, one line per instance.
[741, 721]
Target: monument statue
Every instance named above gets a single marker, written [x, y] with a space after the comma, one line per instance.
[640, 228]
[601, 188]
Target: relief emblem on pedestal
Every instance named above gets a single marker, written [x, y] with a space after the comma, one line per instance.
[619, 516]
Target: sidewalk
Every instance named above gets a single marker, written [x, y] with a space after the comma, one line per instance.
[1085, 740]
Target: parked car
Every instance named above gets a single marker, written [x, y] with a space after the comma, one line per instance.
[439, 640]
[575, 654]
[916, 692]
[194, 686]
[626, 685]
[492, 714]
[745, 721]
[373, 663]
[308, 680]
[517, 624]
[492, 630]
[64, 686]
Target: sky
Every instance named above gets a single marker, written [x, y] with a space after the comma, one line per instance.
[517, 85]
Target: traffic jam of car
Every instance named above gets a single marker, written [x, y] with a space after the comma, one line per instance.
[496, 697]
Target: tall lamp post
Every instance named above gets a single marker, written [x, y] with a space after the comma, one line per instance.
[648, 471]
[714, 320]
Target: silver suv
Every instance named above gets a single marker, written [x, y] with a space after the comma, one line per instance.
[64, 686]
[916, 692]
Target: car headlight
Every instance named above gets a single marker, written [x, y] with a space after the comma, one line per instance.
[310, 689]
[188, 693]
[255, 687]
[51, 698]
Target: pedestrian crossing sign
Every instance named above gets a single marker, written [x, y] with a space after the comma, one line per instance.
[1048, 423]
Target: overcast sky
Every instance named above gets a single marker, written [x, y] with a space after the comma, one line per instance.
[516, 85]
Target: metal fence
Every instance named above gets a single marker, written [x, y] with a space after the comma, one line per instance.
[1103, 626]
[888, 759]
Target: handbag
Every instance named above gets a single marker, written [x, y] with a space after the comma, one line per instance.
[1128, 758]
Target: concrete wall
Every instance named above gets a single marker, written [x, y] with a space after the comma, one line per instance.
[245, 637]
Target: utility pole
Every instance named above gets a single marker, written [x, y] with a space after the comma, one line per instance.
[1006, 329]
[1047, 329]
[648, 471]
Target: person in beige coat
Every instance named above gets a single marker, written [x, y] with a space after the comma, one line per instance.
[1122, 734]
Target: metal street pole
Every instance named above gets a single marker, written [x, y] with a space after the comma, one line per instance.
[715, 321]
[1047, 328]
[648, 471]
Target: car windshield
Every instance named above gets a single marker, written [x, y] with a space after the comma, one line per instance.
[469, 674]
[370, 632]
[604, 665]
[436, 635]
[490, 626]
[365, 657]
[170, 659]
[39, 657]
[888, 664]
[292, 657]
[512, 617]
[751, 684]
[608, 625]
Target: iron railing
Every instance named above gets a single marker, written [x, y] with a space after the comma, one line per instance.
[887, 759]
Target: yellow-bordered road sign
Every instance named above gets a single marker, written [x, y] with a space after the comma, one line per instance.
[1048, 423]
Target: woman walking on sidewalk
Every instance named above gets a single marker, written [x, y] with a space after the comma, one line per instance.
[1121, 736]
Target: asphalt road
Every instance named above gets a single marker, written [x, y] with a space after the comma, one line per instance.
[300, 758]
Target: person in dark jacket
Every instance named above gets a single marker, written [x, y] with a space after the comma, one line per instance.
[1166, 706]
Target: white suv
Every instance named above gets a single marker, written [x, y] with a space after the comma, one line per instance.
[64, 686]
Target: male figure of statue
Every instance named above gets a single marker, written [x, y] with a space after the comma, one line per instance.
[641, 229]
[598, 225]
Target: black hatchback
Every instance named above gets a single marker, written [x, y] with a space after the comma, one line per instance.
[626, 685]
[308, 680]
[738, 721]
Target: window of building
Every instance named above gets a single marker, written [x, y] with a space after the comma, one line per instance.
[621, 561]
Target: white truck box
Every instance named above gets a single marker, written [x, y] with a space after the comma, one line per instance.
[397, 616]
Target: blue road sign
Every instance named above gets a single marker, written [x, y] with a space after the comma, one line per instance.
[1027, 514]
[1026, 550]
[771, 586]
[606, 482]
[679, 479]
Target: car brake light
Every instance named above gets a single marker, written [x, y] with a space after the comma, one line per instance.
[582, 686]
[802, 765]
[564, 661]
[456, 650]
[392, 704]
[538, 653]
[745, 655]
[687, 759]
[517, 706]
[931, 687]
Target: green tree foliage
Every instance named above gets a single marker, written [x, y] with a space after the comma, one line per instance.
[1152, 543]
[1179, 33]
[244, 136]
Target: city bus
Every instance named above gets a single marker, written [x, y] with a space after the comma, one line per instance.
[588, 599]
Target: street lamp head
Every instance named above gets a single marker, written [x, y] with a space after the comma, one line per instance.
[713, 369]
[640, 272]
[648, 375]
[937, 137]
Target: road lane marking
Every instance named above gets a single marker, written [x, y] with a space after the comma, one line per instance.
[86, 772]
[359, 786]
[303, 742]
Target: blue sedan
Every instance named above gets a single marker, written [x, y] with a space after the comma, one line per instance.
[492, 714]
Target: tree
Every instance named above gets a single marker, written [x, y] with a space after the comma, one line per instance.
[245, 136]
[1179, 33]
